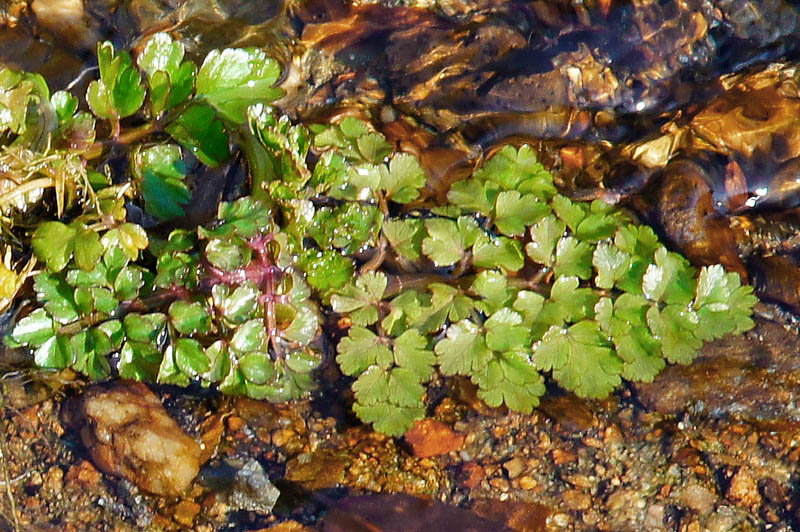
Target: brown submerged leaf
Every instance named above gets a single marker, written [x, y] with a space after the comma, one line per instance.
[404, 513]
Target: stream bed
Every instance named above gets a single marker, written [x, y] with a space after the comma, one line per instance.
[686, 112]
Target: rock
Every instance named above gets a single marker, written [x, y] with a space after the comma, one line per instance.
[84, 473]
[321, 469]
[519, 516]
[576, 500]
[569, 412]
[743, 489]
[429, 437]
[129, 434]
[755, 377]
[698, 498]
[185, 512]
[252, 490]
[514, 467]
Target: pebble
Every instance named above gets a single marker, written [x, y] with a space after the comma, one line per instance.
[128, 433]
[698, 498]
[744, 489]
[576, 500]
[430, 437]
[185, 513]
[514, 467]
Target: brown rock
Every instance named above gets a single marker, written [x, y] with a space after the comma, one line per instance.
[430, 437]
[519, 516]
[83, 473]
[185, 513]
[571, 413]
[699, 498]
[754, 376]
[472, 474]
[743, 489]
[576, 500]
[321, 469]
[128, 433]
[288, 526]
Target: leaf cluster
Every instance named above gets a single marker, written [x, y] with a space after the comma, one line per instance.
[508, 283]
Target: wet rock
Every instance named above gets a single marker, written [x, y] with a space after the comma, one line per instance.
[321, 469]
[571, 413]
[698, 498]
[185, 513]
[743, 489]
[242, 485]
[128, 433]
[755, 376]
[520, 516]
[396, 513]
[429, 437]
[67, 20]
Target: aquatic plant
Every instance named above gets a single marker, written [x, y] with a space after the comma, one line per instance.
[508, 282]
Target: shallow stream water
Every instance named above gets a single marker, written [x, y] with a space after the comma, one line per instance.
[685, 111]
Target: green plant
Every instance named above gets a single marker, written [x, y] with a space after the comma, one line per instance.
[506, 282]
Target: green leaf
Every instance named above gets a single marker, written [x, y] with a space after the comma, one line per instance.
[492, 287]
[463, 350]
[411, 352]
[57, 297]
[198, 129]
[65, 105]
[233, 79]
[389, 419]
[144, 328]
[161, 53]
[670, 280]
[447, 303]
[515, 212]
[544, 236]
[238, 306]
[404, 310]
[723, 305]
[88, 251]
[597, 226]
[403, 178]
[360, 349]
[573, 257]
[405, 236]
[505, 331]
[326, 270]
[529, 305]
[581, 359]
[674, 326]
[361, 298]
[448, 240]
[55, 352]
[244, 217]
[570, 213]
[372, 386]
[34, 329]
[139, 361]
[472, 195]
[257, 367]
[53, 243]
[348, 227]
[250, 336]
[625, 322]
[519, 170]
[162, 172]
[510, 378]
[404, 388]
[189, 318]
[128, 282]
[611, 264]
[498, 252]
